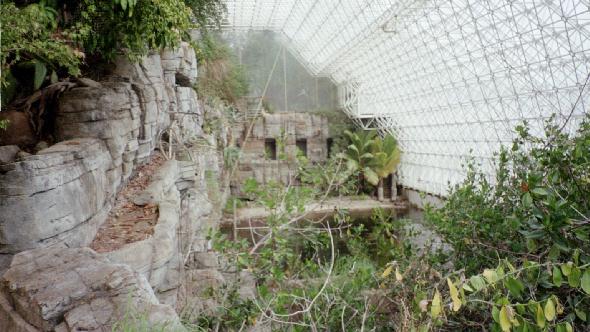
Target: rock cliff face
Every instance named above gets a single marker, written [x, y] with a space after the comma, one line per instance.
[54, 202]
[161, 257]
[104, 131]
[57, 197]
[74, 290]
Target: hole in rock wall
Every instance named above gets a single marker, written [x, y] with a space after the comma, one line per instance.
[302, 146]
[329, 145]
[270, 148]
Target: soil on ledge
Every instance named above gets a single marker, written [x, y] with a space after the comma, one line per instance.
[127, 222]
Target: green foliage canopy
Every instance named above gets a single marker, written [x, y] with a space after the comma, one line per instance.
[61, 34]
[29, 36]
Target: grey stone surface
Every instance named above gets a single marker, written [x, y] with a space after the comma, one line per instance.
[60, 196]
[86, 82]
[46, 198]
[22, 155]
[290, 127]
[111, 113]
[160, 258]
[75, 290]
[41, 146]
[8, 153]
[153, 92]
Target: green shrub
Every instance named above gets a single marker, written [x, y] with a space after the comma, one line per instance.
[108, 28]
[529, 233]
[57, 35]
[30, 40]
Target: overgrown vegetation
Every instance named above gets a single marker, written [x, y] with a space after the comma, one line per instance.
[30, 46]
[48, 39]
[221, 76]
[520, 259]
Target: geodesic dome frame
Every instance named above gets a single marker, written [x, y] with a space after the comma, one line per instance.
[450, 79]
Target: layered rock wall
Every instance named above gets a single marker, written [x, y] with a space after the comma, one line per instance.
[161, 257]
[58, 197]
[61, 195]
[76, 290]
[54, 201]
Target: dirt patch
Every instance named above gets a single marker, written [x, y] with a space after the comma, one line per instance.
[127, 222]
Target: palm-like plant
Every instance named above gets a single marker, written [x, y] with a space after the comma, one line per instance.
[386, 158]
[373, 157]
[359, 155]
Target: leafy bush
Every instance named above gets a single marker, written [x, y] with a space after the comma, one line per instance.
[532, 227]
[537, 207]
[31, 42]
[108, 28]
[56, 35]
[331, 177]
[292, 264]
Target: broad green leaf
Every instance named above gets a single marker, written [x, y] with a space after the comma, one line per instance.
[454, 295]
[504, 319]
[557, 278]
[40, 72]
[436, 306]
[567, 268]
[527, 200]
[553, 253]
[569, 327]
[496, 314]
[549, 310]
[540, 316]
[467, 287]
[585, 282]
[477, 282]
[581, 314]
[514, 286]
[574, 278]
[540, 191]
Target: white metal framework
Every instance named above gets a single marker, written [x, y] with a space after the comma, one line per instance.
[450, 78]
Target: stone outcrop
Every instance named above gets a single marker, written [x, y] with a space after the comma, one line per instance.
[8, 153]
[75, 290]
[58, 197]
[62, 194]
[110, 113]
[160, 258]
